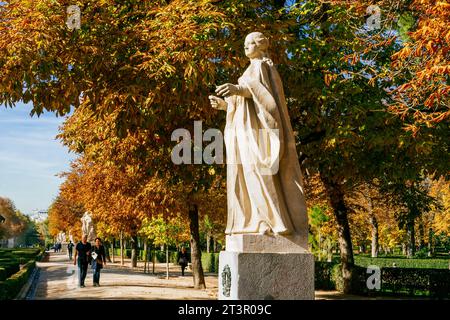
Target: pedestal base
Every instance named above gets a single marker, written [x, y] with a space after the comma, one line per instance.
[266, 276]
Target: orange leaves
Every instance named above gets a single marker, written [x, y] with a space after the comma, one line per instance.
[425, 97]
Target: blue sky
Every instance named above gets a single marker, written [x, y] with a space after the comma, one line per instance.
[30, 157]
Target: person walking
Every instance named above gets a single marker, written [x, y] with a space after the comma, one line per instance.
[183, 260]
[82, 255]
[98, 260]
[70, 249]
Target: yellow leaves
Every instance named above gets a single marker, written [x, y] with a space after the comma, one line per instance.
[328, 78]
[189, 71]
[331, 143]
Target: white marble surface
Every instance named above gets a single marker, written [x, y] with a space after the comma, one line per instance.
[264, 181]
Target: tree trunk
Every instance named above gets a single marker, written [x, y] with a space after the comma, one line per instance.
[107, 246]
[134, 251]
[214, 245]
[122, 262]
[411, 245]
[167, 262]
[208, 241]
[154, 259]
[421, 234]
[113, 245]
[145, 256]
[320, 248]
[374, 246]
[336, 196]
[373, 222]
[430, 242]
[196, 254]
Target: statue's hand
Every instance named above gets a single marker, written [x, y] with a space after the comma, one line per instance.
[227, 89]
[218, 103]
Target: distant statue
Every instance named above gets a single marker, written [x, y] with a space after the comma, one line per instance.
[87, 227]
[264, 181]
[61, 237]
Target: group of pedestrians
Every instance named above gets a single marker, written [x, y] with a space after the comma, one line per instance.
[57, 247]
[85, 255]
[95, 256]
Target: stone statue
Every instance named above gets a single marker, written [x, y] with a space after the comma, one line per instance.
[61, 237]
[87, 227]
[264, 181]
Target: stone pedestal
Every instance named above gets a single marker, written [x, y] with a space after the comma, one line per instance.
[265, 267]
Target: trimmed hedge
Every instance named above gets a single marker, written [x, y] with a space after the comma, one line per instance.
[326, 275]
[394, 281]
[210, 262]
[8, 269]
[429, 282]
[401, 262]
[11, 287]
[11, 259]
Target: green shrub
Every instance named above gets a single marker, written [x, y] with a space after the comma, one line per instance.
[401, 262]
[10, 288]
[3, 291]
[422, 282]
[325, 275]
[174, 257]
[394, 281]
[160, 256]
[328, 276]
[142, 254]
[421, 254]
[209, 261]
[216, 262]
[126, 253]
[10, 267]
[3, 274]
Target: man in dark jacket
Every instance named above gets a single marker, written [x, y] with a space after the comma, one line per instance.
[70, 249]
[82, 252]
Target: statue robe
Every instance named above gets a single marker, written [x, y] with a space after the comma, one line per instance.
[264, 182]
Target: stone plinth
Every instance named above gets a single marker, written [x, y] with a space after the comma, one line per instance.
[265, 267]
[265, 243]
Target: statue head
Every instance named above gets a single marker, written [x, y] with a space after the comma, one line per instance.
[256, 46]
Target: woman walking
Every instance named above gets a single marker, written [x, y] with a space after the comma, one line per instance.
[183, 260]
[98, 260]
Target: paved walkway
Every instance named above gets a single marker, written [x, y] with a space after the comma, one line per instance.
[58, 279]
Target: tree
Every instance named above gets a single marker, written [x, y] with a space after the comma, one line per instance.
[165, 232]
[415, 200]
[14, 223]
[340, 109]
[211, 228]
[373, 208]
[30, 235]
[65, 215]
[424, 95]
[131, 63]
[322, 231]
